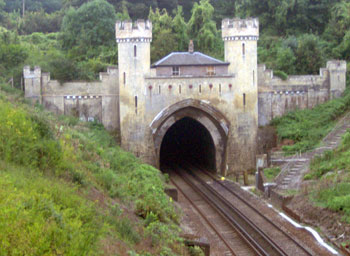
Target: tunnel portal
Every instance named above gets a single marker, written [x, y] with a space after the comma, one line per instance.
[188, 141]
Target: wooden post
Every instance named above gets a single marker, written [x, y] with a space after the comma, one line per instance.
[245, 178]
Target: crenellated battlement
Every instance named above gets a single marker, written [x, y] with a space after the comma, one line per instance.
[240, 29]
[339, 65]
[28, 73]
[139, 31]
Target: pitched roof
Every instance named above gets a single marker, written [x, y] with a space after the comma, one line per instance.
[188, 59]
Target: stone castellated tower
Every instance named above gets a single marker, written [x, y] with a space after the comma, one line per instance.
[32, 81]
[337, 77]
[240, 37]
[134, 57]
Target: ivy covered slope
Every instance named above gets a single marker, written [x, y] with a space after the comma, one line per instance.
[66, 188]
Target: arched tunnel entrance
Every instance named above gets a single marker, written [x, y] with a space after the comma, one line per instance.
[191, 131]
[187, 141]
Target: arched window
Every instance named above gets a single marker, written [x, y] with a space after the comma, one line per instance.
[135, 51]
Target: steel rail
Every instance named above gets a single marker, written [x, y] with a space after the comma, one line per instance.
[254, 236]
[253, 208]
[204, 217]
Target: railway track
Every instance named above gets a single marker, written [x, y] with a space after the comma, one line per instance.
[251, 232]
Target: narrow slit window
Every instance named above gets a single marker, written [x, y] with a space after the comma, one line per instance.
[220, 88]
[243, 49]
[244, 100]
[200, 88]
[338, 78]
[159, 89]
[124, 78]
[253, 77]
[135, 104]
[135, 51]
[180, 89]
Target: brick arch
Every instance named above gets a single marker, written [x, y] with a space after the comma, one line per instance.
[212, 119]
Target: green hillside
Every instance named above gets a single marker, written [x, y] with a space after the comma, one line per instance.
[66, 188]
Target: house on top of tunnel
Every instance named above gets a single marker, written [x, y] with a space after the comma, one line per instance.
[190, 63]
[187, 105]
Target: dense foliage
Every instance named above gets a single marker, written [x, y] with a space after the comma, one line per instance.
[296, 37]
[49, 169]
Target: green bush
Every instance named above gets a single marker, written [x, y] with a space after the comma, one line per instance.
[280, 74]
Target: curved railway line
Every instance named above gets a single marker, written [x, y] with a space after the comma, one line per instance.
[239, 225]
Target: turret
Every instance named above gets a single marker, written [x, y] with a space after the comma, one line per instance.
[134, 53]
[32, 83]
[134, 61]
[337, 77]
[240, 37]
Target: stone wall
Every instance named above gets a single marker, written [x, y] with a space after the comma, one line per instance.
[88, 101]
[277, 96]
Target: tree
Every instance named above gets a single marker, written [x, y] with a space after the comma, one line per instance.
[309, 54]
[91, 25]
[179, 27]
[202, 29]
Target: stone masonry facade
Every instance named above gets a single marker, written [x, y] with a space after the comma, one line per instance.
[141, 103]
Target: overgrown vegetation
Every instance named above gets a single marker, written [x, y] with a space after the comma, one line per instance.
[308, 127]
[332, 170]
[51, 172]
[271, 173]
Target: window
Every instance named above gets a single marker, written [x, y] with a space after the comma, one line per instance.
[135, 104]
[244, 99]
[135, 51]
[243, 49]
[180, 89]
[253, 77]
[176, 71]
[124, 78]
[200, 88]
[159, 89]
[220, 88]
[210, 70]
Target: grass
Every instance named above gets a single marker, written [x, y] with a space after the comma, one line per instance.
[271, 173]
[309, 126]
[48, 167]
[332, 173]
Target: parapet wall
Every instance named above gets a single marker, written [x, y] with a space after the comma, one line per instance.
[240, 29]
[89, 101]
[127, 31]
[278, 96]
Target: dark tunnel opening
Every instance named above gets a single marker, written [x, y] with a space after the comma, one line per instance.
[187, 142]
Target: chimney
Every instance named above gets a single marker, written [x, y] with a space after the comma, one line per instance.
[190, 47]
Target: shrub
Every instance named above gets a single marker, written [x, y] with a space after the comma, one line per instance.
[280, 74]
